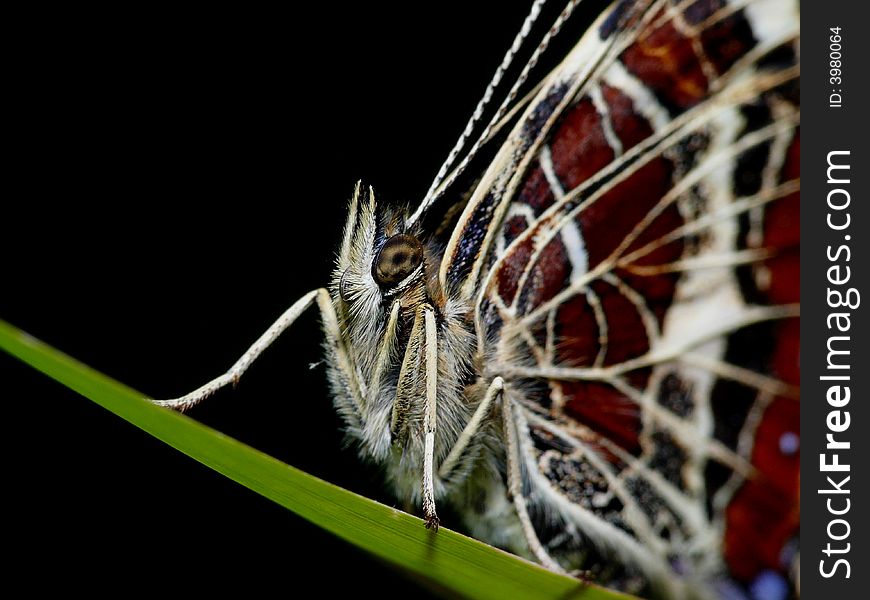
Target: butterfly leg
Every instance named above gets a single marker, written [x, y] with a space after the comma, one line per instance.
[429, 419]
[330, 324]
[418, 377]
[494, 391]
[411, 381]
[515, 488]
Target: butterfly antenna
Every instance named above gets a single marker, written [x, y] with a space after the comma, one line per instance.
[487, 96]
[481, 105]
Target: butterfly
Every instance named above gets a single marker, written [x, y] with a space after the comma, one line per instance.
[584, 337]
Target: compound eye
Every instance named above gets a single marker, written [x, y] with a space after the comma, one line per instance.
[398, 258]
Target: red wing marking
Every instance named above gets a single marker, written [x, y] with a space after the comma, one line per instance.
[782, 231]
[629, 126]
[513, 269]
[607, 222]
[577, 332]
[759, 522]
[579, 147]
[547, 276]
[627, 336]
[666, 61]
[514, 226]
[679, 62]
[536, 192]
[605, 410]
[785, 361]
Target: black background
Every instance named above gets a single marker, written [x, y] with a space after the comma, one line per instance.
[173, 181]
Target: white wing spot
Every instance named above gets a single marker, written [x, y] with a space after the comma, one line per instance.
[600, 105]
[641, 97]
[571, 237]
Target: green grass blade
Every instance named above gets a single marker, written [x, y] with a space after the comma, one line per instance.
[457, 563]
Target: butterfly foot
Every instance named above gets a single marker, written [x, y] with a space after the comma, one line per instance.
[584, 575]
[433, 522]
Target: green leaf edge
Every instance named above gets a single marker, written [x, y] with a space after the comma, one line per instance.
[455, 562]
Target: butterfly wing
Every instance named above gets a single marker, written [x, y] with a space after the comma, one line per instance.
[632, 257]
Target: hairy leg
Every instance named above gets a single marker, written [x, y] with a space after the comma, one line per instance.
[471, 428]
[515, 487]
[333, 335]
